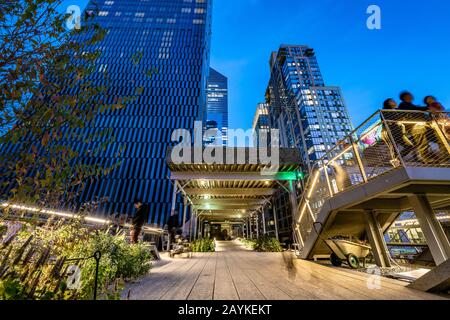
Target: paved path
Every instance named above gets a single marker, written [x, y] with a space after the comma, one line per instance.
[234, 273]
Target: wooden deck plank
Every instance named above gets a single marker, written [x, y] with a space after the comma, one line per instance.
[183, 288]
[157, 284]
[311, 281]
[204, 286]
[234, 273]
[391, 285]
[245, 288]
[224, 288]
[299, 290]
[270, 291]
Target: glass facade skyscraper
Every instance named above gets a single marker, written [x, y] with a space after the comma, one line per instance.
[171, 40]
[217, 104]
[311, 117]
[261, 122]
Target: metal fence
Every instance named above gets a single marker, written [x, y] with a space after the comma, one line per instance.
[384, 142]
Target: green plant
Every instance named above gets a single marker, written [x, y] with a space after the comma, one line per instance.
[263, 244]
[35, 265]
[120, 261]
[248, 243]
[267, 244]
[203, 245]
[11, 290]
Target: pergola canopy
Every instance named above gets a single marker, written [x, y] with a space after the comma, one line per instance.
[231, 192]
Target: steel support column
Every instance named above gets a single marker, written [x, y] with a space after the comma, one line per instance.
[432, 229]
[195, 226]
[174, 198]
[185, 206]
[264, 221]
[190, 225]
[376, 239]
[275, 218]
[293, 200]
[257, 225]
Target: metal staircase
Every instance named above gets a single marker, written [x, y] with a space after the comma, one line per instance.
[396, 161]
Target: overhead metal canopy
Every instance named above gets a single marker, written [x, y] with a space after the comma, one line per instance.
[233, 191]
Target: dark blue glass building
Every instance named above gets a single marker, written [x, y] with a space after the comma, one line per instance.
[161, 46]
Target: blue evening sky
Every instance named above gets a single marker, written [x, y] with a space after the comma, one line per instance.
[411, 51]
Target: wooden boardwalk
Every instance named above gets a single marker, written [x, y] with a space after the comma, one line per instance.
[234, 273]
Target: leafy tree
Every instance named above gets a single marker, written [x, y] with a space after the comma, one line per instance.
[47, 97]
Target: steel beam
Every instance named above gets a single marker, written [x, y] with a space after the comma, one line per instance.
[229, 206]
[232, 176]
[226, 202]
[376, 239]
[432, 229]
[230, 192]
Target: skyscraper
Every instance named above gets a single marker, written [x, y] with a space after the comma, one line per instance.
[217, 104]
[171, 40]
[311, 117]
[261, 121]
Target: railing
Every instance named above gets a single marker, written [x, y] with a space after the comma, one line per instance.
[384, 142]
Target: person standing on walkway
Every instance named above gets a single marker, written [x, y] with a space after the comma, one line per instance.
[397, 132]
[438, 115]
[416, 131]
[407, 103]
[139, 219]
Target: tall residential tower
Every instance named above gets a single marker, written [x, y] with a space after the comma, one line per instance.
[311, 116]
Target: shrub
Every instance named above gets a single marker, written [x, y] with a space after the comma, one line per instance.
[267, 244]
[34, 265]
[120, 261]
[263, 244]
[203, 245]
[248, 243]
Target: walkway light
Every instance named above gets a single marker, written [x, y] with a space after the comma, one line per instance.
[70, 215]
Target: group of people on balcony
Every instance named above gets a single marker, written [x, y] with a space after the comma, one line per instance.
[407, 99]
[411, 129]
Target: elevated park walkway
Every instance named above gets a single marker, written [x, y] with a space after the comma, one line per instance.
[235, 273]
[395, 162]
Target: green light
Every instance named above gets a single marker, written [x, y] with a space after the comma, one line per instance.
[287, 176]
[300, 175]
